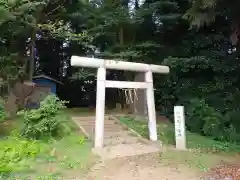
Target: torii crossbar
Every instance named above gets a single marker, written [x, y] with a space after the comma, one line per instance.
[102, 84]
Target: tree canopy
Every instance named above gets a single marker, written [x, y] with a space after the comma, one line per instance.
[198, 39]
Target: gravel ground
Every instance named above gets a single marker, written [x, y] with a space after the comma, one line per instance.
[139, 168]
[150, 167]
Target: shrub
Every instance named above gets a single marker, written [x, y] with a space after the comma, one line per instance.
[232, 132]
[203, 119]
[2, 111]
[46, 121]
[14, 153]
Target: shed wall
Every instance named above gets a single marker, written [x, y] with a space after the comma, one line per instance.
[46, 82]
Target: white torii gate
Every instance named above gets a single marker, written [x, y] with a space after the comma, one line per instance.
[102, 84]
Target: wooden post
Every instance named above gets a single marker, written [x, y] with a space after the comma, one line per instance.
[100, 107]
[151, 107]
[180, 127]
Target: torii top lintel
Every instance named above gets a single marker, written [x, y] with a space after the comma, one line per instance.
[117, 65]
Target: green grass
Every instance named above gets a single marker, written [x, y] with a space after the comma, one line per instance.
[67, 157]
[198, 161]
[63, 158]
[166, 134]
[204, 153]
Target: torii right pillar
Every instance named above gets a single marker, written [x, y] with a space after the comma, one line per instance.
[151, 106]
[144, 103]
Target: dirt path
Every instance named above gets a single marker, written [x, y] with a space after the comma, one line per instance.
[139, 168]
[127, 157]
[119, 141]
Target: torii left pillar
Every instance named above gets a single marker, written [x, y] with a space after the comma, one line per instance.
[100, 107]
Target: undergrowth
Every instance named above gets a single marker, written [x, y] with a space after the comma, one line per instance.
[166, 134]
[23, 158]
[43, 144]
[46, 121]
[2, 112]
[203, 152]
[15, 153]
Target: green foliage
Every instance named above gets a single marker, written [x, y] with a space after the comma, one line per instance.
[194, 141]
[14, 153]
[203, 119]
[2, 111]
[201, 12]
[9, 69]
[212, 101]
[22, 158]
[18, 16]
[46, 121]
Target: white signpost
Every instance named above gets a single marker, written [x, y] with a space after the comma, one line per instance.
[179, 120]
[102, 84]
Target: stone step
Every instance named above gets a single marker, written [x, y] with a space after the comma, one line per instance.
[91, 118]
[125, 150]
[117, 134]
[93, 122]
[83, 118]
[106, 126]
[117, 127]
[120, 140]
[108, 132]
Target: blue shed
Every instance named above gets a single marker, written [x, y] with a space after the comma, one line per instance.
[46, 81]
[43, 86]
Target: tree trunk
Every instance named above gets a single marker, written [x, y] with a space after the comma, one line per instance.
[121, 38]
[32, 57]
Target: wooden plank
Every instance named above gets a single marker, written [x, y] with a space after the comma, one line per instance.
[126, 84]
[117, 65]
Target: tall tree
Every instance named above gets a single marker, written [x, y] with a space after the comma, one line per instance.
[204, 12]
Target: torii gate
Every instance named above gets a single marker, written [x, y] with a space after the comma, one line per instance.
[102, 84]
